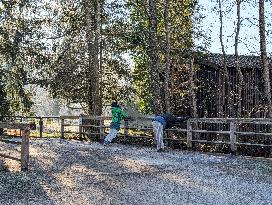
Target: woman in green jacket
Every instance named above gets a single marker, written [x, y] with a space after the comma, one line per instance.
[117, 116]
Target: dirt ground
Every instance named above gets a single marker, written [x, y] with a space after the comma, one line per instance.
[77, 173]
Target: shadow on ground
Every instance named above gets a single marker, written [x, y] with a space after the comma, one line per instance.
[64, 172]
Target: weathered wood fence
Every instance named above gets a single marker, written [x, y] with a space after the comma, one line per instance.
[234, 128]
[24, 143]
[229, 132]
[41, 124]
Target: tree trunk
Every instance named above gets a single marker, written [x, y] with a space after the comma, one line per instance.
[167, 95]
[266, 73]
[93, 26]
[193, 96]
[192, 89]
[154, 56]
[97, 97]
[237, 63]
[224, 76]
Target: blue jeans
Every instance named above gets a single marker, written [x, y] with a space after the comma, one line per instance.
[158, 132]
[112, 134]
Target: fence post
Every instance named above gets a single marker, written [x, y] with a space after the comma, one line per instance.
[126, 128]
[62, 128]
[233, 138]
[101, 129]
[41, 126]
[21, 120]
[25, 149]
[80, 127]
[189, 135]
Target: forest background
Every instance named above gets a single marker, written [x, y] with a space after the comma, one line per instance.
[75, 56]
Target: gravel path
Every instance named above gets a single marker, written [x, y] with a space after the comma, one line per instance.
[76, 173]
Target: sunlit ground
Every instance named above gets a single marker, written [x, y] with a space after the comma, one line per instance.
[63, 172]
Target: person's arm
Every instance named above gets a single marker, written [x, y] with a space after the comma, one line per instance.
[182, 119]
[124, 114]
[175, 121]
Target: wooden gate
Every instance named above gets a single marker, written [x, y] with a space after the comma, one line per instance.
[24, 143]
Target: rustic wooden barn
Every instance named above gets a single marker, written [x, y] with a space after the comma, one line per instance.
[209, 81]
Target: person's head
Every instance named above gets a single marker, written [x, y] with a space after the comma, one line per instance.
[114, 104]
[168, 115]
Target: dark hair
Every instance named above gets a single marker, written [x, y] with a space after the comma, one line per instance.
[114, 104]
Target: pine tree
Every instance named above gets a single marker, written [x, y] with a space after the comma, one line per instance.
[4, 104]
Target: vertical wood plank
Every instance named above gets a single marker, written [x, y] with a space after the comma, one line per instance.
[189, 135]
[80, 122]
[125, 130]
[21, 120]
[101, 129]
[41, 126]
[62, 128]
[25, 149]
[233, 138]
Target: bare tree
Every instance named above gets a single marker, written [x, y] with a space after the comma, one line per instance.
[264, 61]
[224, 76]
[237, 63]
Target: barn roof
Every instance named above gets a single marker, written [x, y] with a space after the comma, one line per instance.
[216, 60]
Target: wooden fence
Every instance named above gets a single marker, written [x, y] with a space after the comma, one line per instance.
[228, 131]
[24, 143]
[234, 128]
[41, 124]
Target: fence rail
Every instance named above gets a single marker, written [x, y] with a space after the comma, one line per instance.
[193, 130]
[232, 132]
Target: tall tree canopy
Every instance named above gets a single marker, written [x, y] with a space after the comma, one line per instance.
[21, 49]
[162, 31]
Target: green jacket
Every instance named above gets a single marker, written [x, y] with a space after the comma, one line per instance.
[117, 115]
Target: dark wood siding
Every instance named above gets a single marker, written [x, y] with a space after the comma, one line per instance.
[208, 89]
